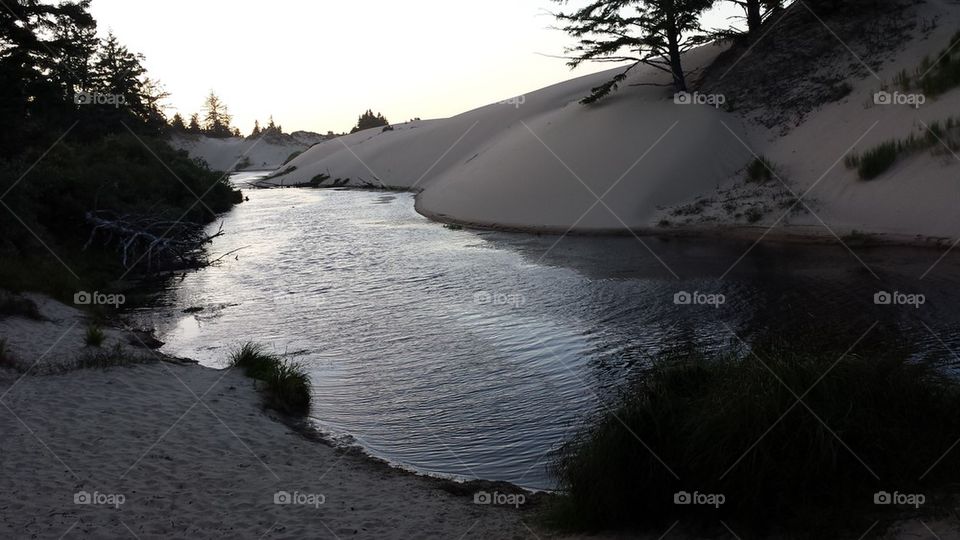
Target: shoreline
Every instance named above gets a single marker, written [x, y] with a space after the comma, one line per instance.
[786, 235]
[193, 451]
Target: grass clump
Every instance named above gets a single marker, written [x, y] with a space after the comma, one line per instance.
[760, 170]
[935, 75]
[286, 383]
[730, 423]
[875, 161]
[938, 137]
[94, 336]
[5, 358]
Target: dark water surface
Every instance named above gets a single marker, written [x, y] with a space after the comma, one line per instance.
[474, 354]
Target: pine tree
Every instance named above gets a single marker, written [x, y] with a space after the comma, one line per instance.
[194, 127]
[120, 74]
[756, 11]
[271, 126]
[216, 119]
[256, 129]
[45, 51]
[176, 123]
[645, 32]
[369, 120]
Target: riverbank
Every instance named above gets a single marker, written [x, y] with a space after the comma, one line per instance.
[162, 449]
[787, 234]
[159, 447]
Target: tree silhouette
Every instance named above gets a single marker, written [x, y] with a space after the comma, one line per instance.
[369, 120]
[216, 118]
[645, 32]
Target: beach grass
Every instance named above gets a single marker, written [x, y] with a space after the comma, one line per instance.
[789, 439]
[94, 336]
[286, 383]
[760, 170]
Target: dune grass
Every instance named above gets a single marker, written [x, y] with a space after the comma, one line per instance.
[5, 359]
[937, 136]
[731, 424]
[760, 170]
[286, 383]
[936, 74]
[94, 336]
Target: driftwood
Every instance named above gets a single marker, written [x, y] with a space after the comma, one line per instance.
[155, 243]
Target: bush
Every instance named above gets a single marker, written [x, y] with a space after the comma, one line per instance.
[94, 336]
[287, 384]
[119, 174]
[12, 305]
[701, 415]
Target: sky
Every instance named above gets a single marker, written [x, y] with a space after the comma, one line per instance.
[317, 64]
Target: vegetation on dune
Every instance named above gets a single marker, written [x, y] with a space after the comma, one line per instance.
[731, 424]
[369, 120]
[94, 336]
[654, 33]
[760, 170]
[934, 137]
[286, 384]
[935, 75]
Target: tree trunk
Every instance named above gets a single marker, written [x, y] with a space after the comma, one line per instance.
[673, 47]
[754, 17]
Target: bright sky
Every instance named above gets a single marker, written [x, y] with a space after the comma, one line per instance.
[316, 65]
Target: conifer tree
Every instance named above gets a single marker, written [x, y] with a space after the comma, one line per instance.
[655, 33]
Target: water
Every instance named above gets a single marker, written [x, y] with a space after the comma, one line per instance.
[475, 354]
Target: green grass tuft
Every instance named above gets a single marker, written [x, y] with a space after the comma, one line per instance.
[94, 337]
[760, 170]
[287, 383]
[877, 160]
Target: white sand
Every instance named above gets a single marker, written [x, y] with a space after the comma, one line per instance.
[540, 161]
[229, 153]
[193, 455]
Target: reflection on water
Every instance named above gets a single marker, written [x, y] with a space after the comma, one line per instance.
[475, 354]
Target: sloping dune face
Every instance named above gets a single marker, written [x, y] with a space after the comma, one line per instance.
[543, 161]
